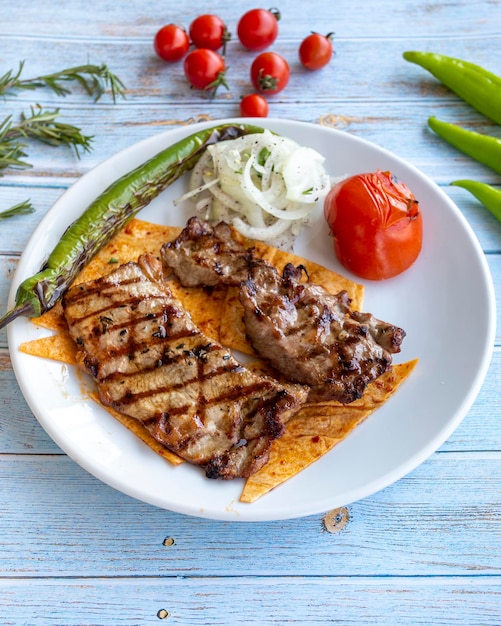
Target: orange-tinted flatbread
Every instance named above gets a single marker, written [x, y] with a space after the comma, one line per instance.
[316, 429]
[59, 347]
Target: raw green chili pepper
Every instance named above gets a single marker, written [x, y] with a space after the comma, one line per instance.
[489, 196]
[108, 214]
[474, 84]
[483, 148]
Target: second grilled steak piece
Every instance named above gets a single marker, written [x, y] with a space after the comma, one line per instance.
[151, 362]
[309, 335]
[206, 255]
[312, 337]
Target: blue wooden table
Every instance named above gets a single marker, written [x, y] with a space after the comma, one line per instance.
[427, 549]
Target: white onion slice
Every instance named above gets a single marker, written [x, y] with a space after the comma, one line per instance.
[264, 184]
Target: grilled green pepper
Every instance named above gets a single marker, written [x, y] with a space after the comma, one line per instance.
[474, 84]
[489, 196]
[108, 214]
[483, 148]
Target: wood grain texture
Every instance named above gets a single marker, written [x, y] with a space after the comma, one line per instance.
[263, 602]
[425, 550]
[52, 504]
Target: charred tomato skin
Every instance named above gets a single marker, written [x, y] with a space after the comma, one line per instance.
[376, 224]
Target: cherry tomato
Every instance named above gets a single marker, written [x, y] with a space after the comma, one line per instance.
[258, 28]
[171, 43]
[204, 69]
[254, 105]
[269, 72]
[208, 31]
[376, 224]
[315, 51]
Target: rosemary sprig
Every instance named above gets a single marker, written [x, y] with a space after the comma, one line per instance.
[11, 152]
[95, 79]
[23, 208]
[42, 125]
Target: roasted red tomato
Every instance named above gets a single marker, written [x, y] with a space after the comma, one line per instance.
[171, 43]
[208, 31]
[258, 28]
[376, 224]
[269, 72]
[254, 105]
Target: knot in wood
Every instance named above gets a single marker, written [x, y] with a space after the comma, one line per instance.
[336, 520]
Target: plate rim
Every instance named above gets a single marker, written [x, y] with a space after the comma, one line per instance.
[328, 502]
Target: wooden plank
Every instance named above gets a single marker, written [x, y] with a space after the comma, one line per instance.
[16, 231]
[418, 526]
[264, 602]
[347, 78]
[136, 20]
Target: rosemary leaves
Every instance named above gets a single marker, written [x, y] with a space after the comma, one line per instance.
[44, 125]
[23, 208]
[95, 79]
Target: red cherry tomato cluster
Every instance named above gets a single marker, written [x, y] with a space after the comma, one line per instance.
[205, 65]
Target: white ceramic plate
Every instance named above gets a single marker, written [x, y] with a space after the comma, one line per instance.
[445, 302]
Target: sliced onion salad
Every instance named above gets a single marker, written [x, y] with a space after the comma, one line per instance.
[265, 185]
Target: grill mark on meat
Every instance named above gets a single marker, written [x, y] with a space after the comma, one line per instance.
[307, 334]
[130, 397]
[312, 337]
[151, 362]
[204, 404]
[85, 290]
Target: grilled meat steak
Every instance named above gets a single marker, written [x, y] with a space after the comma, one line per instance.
[307, 334]
[312, 337]
[206, 255]
[152, 363]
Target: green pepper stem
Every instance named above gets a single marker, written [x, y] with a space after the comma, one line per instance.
[23, 310]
